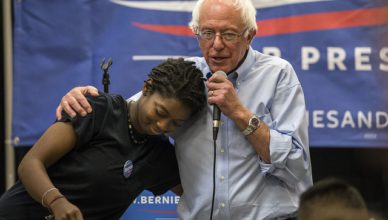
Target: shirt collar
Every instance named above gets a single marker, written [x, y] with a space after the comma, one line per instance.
[244, 68]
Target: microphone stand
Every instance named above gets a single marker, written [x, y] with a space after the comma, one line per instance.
[105, 77]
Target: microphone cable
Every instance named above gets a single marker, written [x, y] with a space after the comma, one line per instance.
[216, 125]
[214, 176]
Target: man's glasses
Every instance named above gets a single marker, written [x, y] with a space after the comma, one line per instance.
[227, 36]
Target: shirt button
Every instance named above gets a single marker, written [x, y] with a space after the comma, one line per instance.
[222, 178]
[222, 150]
[222, 205]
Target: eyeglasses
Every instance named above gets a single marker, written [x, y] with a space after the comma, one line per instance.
[227, 36]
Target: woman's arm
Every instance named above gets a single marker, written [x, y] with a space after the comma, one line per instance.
[56, 142]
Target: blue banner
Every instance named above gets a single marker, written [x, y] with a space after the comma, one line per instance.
[337, 48]
[147, 206]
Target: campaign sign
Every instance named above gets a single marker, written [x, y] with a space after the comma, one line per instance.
[339, 50]
[148, 206]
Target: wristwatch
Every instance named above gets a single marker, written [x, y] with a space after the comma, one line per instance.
[253, 124]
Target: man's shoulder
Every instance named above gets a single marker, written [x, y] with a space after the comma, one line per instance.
[271, 59]
[278, 66]
[195, 59]
[200, 63]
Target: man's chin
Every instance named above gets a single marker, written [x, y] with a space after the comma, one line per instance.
[215, 68]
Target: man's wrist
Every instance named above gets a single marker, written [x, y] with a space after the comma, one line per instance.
[253, 124]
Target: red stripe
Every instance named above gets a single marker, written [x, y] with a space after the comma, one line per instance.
[296, 24]
[168, 29]
[161, 211]
[323, 21]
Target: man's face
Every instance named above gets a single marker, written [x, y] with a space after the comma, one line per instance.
[221, 54]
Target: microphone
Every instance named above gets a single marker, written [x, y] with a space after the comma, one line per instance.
[217, 112]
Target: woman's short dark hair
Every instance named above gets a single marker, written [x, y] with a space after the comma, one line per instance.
[180, 79]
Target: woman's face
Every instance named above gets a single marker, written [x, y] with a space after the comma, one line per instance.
[159, 115]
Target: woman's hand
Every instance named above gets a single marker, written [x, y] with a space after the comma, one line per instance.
[64, 210]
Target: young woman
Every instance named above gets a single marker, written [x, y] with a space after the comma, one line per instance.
[93, 167]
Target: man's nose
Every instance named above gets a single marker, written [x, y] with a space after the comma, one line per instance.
[218, 42]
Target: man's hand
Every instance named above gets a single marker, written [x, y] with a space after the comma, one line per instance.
[75, 102]
[223, 94]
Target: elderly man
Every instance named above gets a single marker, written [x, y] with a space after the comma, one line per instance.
[262, 153]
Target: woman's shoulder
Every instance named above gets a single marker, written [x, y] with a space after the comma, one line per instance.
[105, 99]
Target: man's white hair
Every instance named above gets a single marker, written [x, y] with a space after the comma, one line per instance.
[245, 7]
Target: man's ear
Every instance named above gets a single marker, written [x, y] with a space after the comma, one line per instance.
[251, 35]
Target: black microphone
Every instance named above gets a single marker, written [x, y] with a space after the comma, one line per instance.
[217, 112]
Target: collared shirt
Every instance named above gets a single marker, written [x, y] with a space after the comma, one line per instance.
[247, 187]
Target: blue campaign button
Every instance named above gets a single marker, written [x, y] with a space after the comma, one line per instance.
[127, 169]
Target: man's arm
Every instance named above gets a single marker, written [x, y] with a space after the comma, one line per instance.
[75, 101]
[223, 94]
